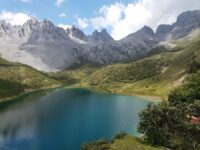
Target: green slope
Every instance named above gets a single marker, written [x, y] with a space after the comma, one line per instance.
[74, 76]
[123, 143]
[17, 78]
[155, 75]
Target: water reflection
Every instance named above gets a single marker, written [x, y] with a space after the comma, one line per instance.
[63, 119]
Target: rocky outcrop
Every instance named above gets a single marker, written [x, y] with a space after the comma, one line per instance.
[100, 37]
[162, 31]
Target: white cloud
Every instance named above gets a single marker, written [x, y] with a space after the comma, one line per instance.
[24, 1]
[83, 23]
[59, 2]
[62, 15]
[64, 26]
[13, 18]
[125, 19]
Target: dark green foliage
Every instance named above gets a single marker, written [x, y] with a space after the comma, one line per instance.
[153, 123]
[195, 64]
[10, 88]
[167, 123]
[66, 79]
[187, 93]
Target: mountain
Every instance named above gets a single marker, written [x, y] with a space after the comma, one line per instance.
[101, 37]
[131, 47]
[49, 48]
[186, 22]
[39, 44]
[162, 31]
[153, 75]
[77, 35]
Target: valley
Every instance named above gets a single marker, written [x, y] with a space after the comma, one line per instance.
[158, 69]
[155, 75]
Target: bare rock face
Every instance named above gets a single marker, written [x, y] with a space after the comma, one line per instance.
[186, 22]
[39, 44]
[101, 37]
[162, 31]
[46, 47]
[77, 35]
[131, 47]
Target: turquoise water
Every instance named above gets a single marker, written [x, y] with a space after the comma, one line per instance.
[65, 118]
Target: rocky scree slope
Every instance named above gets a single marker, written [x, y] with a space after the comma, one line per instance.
[46, 47]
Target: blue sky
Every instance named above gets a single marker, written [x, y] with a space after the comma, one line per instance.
[120, 18]
[47, 8]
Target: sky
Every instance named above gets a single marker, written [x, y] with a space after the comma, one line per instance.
[119, 17]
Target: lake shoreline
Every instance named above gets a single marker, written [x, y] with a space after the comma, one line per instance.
[27, 92]
[70, 107]
[150, 98]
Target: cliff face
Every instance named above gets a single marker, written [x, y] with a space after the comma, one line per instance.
[46, 47]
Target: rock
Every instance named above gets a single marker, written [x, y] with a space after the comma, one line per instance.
[101, 37]
[47, 47]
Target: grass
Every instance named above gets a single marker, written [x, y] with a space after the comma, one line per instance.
[16, 78]
[126, 142]
[130, 143]
[156, 75]
[74, 76]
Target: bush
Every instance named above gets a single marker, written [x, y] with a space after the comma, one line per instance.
[167, 123]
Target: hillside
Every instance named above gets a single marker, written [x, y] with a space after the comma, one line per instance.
[17, 78]
[143, 63]
[173, 124]
[154, 75]
[74, 75]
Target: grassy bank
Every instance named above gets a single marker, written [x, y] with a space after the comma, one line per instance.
[119, 142]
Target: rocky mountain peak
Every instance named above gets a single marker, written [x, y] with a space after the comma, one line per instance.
[102, 36]
[7, 30]
[55, 48]
[163, 29]
[32, 21]
[188, 18]
[4, 26]
[104, 31]
[44, 31]
[146, 30]
[48, 24]
[76, 32]
[144, 33]
[186, 22]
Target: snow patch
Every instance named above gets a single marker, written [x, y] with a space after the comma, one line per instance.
[77, 40]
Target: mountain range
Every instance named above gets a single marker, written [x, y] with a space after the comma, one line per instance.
[49, 48]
